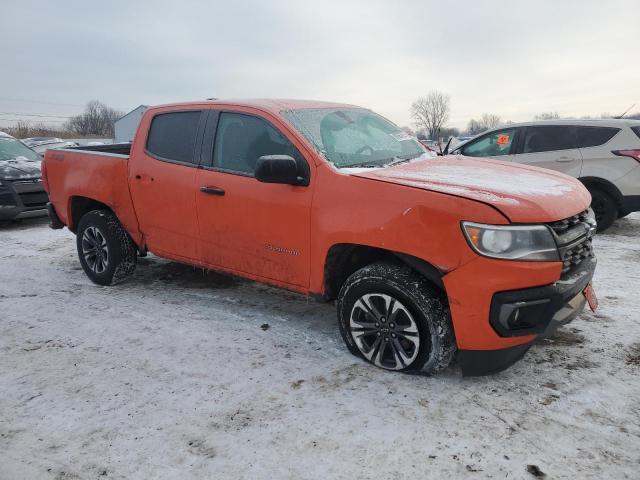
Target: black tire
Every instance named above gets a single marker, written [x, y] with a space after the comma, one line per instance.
[624, 213]
[418, 298]
[605, 208]
[99, 231]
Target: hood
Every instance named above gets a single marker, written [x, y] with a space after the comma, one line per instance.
[524, 194]
[19, 169]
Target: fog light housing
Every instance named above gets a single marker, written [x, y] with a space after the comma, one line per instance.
[527, 315]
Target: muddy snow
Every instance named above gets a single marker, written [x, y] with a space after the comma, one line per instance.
[181, 374]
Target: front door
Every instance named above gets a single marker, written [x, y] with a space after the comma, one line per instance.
[253, 228]
[550, 146]
[163, 185]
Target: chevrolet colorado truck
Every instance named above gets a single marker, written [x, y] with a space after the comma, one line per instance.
[426, 257]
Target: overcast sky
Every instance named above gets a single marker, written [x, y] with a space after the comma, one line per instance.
[514, 59]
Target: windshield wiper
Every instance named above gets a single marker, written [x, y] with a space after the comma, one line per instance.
[395, 160]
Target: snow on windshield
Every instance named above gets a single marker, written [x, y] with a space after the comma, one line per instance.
[12, 149]
[351, 137]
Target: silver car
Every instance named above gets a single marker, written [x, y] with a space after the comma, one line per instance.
[603, 154]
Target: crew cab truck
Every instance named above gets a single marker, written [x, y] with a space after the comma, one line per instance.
[426, 257]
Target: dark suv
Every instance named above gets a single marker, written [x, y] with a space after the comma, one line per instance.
[21, 192]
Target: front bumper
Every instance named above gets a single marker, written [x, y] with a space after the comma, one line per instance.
[22, 199]
[541, 310]
[485, 293]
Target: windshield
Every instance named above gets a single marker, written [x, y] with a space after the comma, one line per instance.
[12, 149]
[354, 137]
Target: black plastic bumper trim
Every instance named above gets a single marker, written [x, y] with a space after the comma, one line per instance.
[486, 362]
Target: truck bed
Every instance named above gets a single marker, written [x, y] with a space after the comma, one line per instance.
[89, 175]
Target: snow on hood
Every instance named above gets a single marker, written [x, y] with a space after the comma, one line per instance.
[522, 193]
[19, 169]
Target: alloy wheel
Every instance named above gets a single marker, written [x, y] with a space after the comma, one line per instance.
[95, 250]
[384, 331]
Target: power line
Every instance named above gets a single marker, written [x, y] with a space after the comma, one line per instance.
[48, 103]
[35, 115]
[21, 119]
[40, 101]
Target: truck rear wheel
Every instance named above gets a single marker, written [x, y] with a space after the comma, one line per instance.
[107, 253]
[395, 319]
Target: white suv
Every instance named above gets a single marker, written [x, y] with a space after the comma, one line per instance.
[603, 154]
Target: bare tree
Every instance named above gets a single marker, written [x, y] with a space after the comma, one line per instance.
[489, 120]
[486, 122]
[97, 119]
[431, 112]
[547, 116]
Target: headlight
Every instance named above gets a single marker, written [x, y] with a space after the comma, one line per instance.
[526, 242]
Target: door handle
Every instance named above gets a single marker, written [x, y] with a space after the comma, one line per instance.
[212, 191]
[564, 159]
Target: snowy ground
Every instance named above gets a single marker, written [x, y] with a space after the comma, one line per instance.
[170, 375]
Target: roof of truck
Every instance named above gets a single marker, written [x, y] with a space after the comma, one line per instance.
[273, 105]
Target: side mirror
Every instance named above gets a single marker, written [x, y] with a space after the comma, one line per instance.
[277, 169]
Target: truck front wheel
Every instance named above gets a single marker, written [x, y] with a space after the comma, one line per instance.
[107, 253]
[395, 319]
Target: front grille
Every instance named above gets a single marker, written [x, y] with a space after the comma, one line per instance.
[575, 255]
[574, 236]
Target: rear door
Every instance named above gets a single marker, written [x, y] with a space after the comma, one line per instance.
[162, 176]
[550, 146]
[246, 226]
[499, 145]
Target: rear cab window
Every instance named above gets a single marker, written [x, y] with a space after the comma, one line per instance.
[493, 144]
[172, 136]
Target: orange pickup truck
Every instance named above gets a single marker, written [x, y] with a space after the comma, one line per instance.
[426, 257]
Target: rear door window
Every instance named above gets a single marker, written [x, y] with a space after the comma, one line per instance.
[172, 136]
[594, 136]
[548, 138]
[492, 145]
